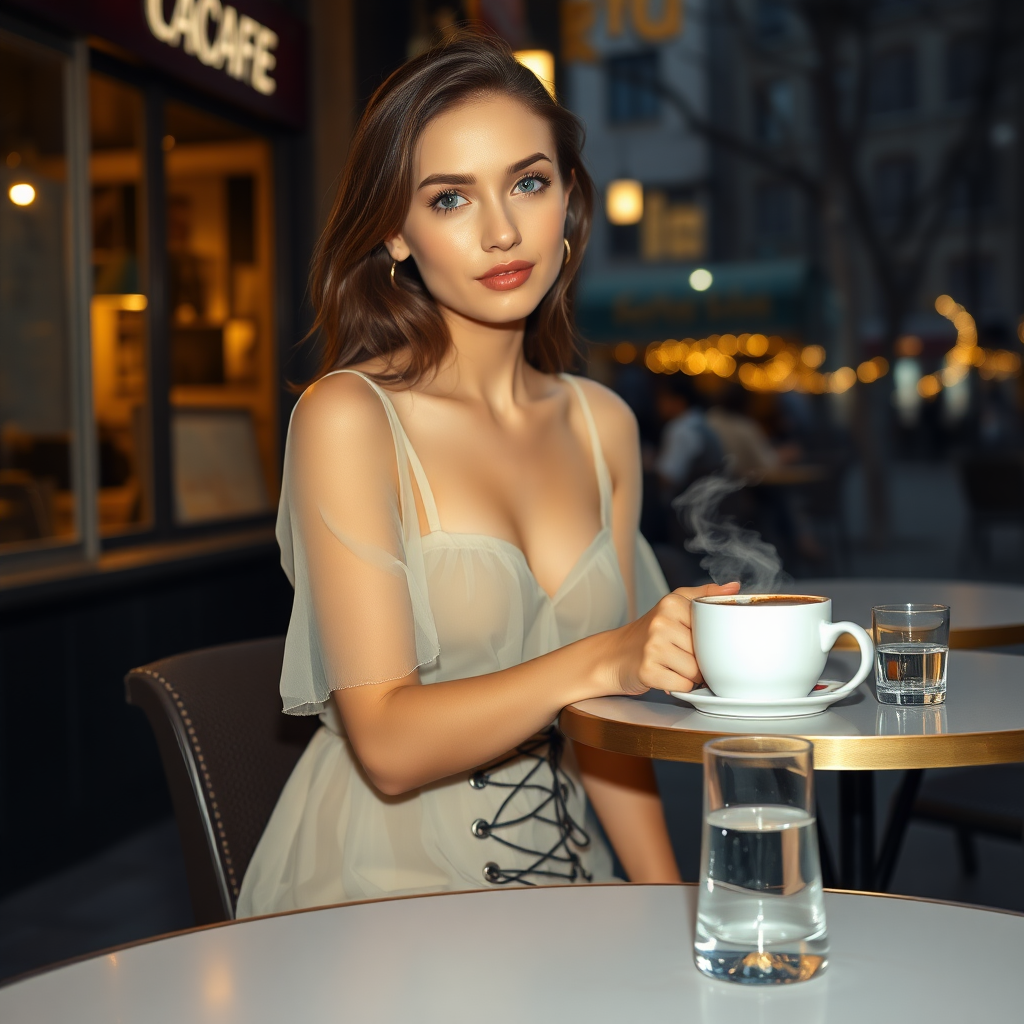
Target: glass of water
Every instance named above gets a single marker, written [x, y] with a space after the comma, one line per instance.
[911, 645]
[760, 915]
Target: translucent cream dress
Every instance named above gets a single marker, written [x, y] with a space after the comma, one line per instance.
[373, 600]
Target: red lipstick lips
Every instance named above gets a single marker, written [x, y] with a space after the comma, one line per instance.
[506, 276]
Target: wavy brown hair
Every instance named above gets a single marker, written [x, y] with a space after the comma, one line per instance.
[359, 313]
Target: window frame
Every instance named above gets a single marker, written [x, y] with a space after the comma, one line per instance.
[87, 549]
[652, 56]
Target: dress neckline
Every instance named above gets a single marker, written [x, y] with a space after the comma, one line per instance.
[430, 506]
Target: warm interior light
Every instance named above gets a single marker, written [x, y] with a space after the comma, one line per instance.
[169, 143]
[542, 64]
[624, 201]
[21, 194]
[135, 302]
[701, 280]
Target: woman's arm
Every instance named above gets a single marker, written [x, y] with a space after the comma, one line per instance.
[624, 793]
[343, 481]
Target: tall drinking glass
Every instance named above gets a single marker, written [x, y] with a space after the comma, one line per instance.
[760, 916]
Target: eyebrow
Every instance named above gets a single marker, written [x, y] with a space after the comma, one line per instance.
[469, 179]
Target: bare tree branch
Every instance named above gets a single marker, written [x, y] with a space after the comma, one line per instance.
[736, 143]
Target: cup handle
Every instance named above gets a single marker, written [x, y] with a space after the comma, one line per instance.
[831, 631]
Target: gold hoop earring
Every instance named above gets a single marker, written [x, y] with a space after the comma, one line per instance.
[568, 252]
[394, 263]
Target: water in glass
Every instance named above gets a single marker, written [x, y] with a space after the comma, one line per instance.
[910, 673]
[761, 916]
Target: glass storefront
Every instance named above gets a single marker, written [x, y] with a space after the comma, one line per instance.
[223, 370]
[138, 350]
[37, 493]
[118, 321]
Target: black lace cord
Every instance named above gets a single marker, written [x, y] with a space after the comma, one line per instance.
[556, 796]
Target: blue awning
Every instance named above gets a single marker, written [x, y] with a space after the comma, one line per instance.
[652, 303]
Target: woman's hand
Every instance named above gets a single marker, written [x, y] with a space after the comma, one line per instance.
[656, 651]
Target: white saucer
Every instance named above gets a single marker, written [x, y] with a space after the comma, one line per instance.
[787, 707]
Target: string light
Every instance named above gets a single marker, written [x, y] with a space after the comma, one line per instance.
[788, 366]
[792, 367]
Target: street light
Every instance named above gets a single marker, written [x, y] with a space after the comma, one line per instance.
[701, 280]
[624, 201]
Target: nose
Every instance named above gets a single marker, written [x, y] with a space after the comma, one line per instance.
[499, 228]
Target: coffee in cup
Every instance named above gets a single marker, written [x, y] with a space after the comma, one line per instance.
[769, 646]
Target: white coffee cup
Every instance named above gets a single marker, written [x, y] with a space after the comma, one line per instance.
[769, 646]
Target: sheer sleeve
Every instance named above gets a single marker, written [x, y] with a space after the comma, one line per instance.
[650, 580]
[350, 545]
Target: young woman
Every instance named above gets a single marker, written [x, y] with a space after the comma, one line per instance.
[459, 519]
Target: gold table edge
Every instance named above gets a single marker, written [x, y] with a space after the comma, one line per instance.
[831, 753]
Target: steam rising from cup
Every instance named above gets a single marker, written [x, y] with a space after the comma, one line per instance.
[730, 551]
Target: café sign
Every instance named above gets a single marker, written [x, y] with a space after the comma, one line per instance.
[249, 53]
[220, 38]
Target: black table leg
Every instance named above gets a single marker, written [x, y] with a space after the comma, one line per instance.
[857, 830]
[896, 829]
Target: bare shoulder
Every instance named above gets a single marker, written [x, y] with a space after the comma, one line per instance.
[610, 411]
[616, 427]
[341, 407]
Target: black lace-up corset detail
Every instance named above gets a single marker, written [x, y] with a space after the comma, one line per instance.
[559, 861]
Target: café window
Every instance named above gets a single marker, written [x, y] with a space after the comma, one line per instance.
[138, 369]
[39, 493]
[117, 314]
[223, 372]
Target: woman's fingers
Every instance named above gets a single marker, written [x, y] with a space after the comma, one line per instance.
[709, 590]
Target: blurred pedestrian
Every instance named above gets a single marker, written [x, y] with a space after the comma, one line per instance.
[689, 447]
[748, 450]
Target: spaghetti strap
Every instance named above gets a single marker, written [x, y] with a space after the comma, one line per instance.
[604, 480]
[426, 494]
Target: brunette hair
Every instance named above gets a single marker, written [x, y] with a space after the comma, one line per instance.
[360, 313]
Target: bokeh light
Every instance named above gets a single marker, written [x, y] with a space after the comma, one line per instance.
[21, 194]
[701, 280]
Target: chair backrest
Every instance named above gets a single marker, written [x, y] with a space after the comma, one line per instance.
[227, 751]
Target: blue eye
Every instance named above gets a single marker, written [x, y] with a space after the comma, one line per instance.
[532, 184]
[448, 201]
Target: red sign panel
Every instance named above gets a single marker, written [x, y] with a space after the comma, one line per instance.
[249, 52]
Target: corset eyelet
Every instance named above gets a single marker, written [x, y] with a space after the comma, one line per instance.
[557, 862]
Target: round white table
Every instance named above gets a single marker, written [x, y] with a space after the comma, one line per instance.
[981, 614]
[559, 954]
[981, 722]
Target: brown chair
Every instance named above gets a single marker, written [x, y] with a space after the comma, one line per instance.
[227, 752]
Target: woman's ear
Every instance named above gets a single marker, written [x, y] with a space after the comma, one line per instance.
[397, 248]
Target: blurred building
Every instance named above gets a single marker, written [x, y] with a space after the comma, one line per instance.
[935, 153]
[639, 74]
[650, 169]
